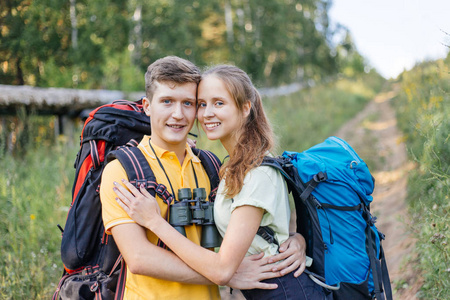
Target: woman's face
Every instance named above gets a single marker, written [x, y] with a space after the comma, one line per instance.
[218, 113]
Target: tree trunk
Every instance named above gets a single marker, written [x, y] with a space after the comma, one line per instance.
[73, 23]
[229, 23]
[19, 73]
[137, 34]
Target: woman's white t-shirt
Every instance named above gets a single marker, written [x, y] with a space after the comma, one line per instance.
[264, 187]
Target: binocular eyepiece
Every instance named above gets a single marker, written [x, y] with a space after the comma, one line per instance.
[192, 208]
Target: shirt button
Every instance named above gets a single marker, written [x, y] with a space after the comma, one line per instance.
[171, 157]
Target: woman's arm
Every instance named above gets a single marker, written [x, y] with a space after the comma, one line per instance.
[217, 267]
[145, 258]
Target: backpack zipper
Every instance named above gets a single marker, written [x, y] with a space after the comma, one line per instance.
[319, 206]
[355, 157]
[329, 228]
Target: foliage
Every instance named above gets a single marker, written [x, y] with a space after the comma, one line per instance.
[36, 38]
[87, 44]
[350, 62]
[423, 108]
[30, 34]
[281, 41]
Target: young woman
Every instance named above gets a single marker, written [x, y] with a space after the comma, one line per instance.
[249, 195]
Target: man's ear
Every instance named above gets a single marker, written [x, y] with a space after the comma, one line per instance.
[246, 109]
[146, 105]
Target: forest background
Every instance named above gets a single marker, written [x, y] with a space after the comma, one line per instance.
[92, 45]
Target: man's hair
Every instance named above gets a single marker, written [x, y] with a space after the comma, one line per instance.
[170, 69]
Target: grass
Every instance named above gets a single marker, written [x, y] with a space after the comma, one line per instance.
[308, 117]
[36, 180]
[34, 194]
[423, 109]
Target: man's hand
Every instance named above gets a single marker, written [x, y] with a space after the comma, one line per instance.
[293, 251]
[256, 268]
[251, 272]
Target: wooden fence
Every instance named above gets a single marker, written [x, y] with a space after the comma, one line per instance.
[71, 104]
[67, 104]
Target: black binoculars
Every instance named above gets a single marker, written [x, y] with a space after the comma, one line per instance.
[190, 210]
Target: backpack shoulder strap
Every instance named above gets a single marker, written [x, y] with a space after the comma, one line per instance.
[139, 172]
[211, 164]
[281, 164]
[288, 170]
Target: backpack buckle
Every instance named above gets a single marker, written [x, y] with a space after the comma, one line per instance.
[268, 234]
[373, 220]
[321, 176]
[160, 189]
[163, 193]
[140, 182]
[94, 287]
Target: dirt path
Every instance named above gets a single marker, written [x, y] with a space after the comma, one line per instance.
[374, 135]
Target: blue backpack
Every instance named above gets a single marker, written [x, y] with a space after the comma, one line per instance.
[332, 189]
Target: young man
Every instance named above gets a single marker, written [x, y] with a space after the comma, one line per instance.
[154, 272]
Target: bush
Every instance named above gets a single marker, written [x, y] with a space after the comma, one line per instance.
[423, 108]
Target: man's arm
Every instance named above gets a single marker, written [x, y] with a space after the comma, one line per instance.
[145, 258]
[141, 256]
[293, 250]
[256, 268]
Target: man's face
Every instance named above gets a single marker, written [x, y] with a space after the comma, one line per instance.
[172, 112]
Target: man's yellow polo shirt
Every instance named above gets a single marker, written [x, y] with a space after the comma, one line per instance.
[181, 176]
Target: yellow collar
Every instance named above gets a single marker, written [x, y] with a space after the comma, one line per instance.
[160, 152]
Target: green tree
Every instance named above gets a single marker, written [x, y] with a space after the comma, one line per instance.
[351, 63]
[30, 34]
[103, 31]
[36, 44]
[280, 41]
[172, 28]
[87, 44]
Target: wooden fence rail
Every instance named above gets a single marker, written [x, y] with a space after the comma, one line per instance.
[69, 104]
[56, 101]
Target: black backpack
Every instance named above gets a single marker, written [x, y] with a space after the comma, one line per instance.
[93, 266]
